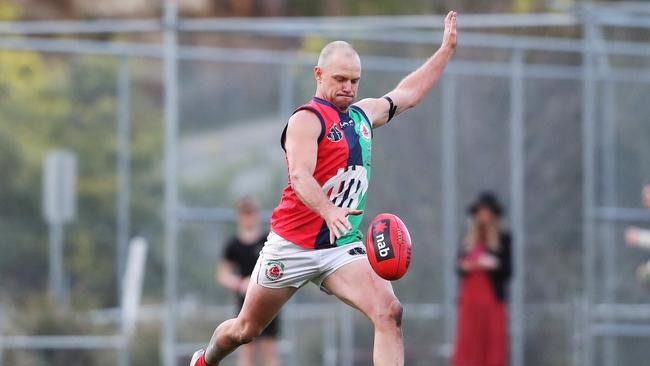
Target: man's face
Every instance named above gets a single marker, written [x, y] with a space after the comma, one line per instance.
[248, 219]
[338, 81]
[646, 196]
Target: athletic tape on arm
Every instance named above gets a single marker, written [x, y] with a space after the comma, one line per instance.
[392, 109]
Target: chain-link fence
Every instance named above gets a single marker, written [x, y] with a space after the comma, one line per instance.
[550, 111]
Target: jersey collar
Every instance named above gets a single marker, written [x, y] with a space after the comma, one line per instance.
[329, 104]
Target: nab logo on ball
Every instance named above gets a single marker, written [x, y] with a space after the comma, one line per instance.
[388, 244]
[382, 242]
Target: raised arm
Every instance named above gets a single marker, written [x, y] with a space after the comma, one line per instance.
[415, 86]
[302, 149]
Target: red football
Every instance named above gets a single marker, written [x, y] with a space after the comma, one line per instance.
[388, 244]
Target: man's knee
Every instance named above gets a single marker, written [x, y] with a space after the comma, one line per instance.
[389, 314]
[247, 332]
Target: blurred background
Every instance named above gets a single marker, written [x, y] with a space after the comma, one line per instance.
[124, 119]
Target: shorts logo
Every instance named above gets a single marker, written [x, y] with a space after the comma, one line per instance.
[364, 132]
[357, 251]
[334, 135]
[274, 270]
[381, 240]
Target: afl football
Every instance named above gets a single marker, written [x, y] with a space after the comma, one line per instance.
[388, 245]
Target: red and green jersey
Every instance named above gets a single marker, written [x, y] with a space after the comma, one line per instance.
[342, 170]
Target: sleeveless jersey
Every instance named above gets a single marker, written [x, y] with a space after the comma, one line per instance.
[342, 170]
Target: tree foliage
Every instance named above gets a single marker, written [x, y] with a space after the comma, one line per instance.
[51, 103]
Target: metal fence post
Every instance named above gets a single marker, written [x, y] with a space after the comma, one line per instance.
[610, 240]
[2, 333]
[168, 354]
[347, 335]
[517, 189]
[329, 341]
[588, 190]
[123, 168]
[449, 198]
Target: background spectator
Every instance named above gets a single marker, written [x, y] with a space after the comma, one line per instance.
[234, 270]
[638, 237]
[484, 265]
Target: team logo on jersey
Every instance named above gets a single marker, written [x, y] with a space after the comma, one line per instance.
[365, 132]
[347, 187]
[346, 123]
[274, 270]
[334, 135]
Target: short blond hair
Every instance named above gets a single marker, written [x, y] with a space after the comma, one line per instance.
[334, 48]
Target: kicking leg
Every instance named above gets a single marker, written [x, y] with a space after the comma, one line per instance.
[260, 307]
[359, 286]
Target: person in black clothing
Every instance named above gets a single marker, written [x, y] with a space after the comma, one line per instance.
[640, 238]
[484, 264]
[234, 270]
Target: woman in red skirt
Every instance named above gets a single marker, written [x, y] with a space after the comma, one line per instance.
[485, 268]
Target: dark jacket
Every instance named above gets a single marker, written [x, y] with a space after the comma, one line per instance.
[501, 275]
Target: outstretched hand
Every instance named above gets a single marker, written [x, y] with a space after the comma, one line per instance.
[449, 37]
[337, 221]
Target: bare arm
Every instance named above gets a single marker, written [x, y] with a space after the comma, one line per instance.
[302, 150]
[638, 237]
[415, 86]
[227, 277]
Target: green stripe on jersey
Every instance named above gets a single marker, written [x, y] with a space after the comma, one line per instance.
[363, 129]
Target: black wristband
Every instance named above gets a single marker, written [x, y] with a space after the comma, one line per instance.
[392, 109]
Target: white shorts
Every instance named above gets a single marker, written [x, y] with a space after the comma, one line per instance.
[284, 264]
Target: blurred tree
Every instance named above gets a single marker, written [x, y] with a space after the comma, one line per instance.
[522, 6]
[25, 102]
[389, 7]
[54, 103]
[78, 9]
[37, 318]
[9, 11]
